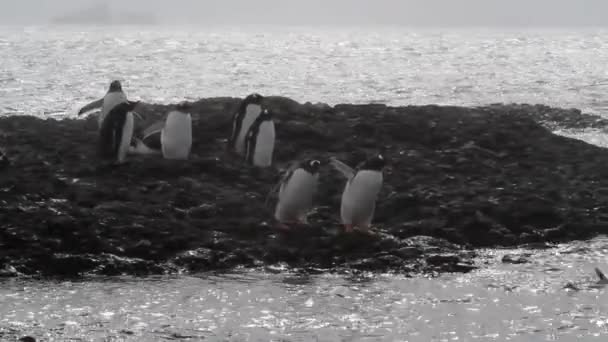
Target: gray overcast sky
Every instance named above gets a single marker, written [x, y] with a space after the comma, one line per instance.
[350, 12]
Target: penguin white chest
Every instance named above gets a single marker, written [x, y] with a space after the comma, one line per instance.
[125, 140]
[251, 114]
[176, 136]
[359, 197]
[263, 149]
[110, 101]
[296, 195]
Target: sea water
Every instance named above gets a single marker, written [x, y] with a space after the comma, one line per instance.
[553, 295]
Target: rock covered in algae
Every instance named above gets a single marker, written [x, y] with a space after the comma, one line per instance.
[458, 178]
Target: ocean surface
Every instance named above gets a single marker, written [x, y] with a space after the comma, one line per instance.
[52, 71]
[499, 302]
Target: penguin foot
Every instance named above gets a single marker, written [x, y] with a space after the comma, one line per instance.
[366, 230]
[282, 226]
[348, 228]
[120, 164]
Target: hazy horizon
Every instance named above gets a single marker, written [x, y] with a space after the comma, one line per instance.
[516, 13]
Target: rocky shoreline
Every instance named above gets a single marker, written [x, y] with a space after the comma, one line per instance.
[458, 179]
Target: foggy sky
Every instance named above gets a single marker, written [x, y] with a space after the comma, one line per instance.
[535, 13]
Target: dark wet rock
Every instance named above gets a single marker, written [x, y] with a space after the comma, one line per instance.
[571, 287]
[4, 161]
[8, 272]
[555, 234]
[554, 117]
[457, 178]
[537, 245]
[515, 259]
[201, 259]
[438, 259]
[408, 252]
[450, 263]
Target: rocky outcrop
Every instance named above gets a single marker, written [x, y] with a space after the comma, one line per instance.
[458, 178]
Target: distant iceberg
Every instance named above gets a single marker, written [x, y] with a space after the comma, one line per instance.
[102, 14]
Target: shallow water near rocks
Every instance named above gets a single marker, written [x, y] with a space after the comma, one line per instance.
[589, 135]
[498, 302]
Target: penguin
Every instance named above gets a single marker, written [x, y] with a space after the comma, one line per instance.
[296, 191]
[259, 141]
[113, 97]
[150, 140]
[116, 132]
[176, 135]
[248, 111]
[360, 192]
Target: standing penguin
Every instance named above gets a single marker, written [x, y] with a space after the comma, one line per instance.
[116, 132]
[249, 110]
[176, 136]
[113, 97]
[361, 191]
[296, 192]
[260, 141]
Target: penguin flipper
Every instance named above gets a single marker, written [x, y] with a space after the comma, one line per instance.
[279, 185]
[274, 189]
[141, 148]
[232, 138]
[151, 136]
[600, 274]
[93, 105]
[346, 170]
[106, 140]
[154, 128]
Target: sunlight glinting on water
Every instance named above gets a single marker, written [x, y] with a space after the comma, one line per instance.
[499, 302]
[553, 294]
[591, 136]
[55, 70]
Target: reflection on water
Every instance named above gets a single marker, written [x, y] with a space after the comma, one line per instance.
[500, 302]
[53, 71]
[589, 135]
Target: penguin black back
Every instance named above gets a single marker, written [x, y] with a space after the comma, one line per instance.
[254, 131]
[111, 129]
[309, 165]
[375, 163]
[237, 119]
[151, 135]
[115, 87]
[183, 107]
